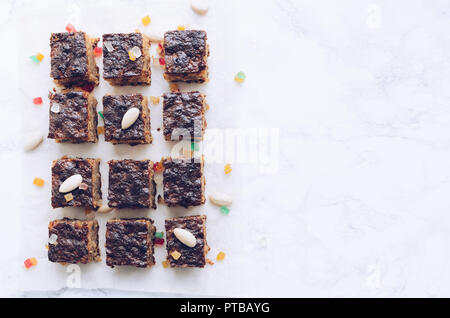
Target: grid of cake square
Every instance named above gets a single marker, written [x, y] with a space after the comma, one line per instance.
[73, 118]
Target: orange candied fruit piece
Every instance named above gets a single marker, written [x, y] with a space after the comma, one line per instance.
[39, 182]
[100, 130]
[165, 264]
[187, 153]
[33, 261]
[227, 168]
[154, 99]
[174, 87]
[40, 57]
[220, 256]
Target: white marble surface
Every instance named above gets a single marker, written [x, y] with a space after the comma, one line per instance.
[358, 205]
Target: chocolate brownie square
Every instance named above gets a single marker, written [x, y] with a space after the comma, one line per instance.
[183, 182]
[131, 184]
[73, 117]
[130, 242]
[178, 253]
[118, 67]
[185, 54]
[87, 193]
[184, 113]
[73, 241]
[114, 109]
[72, 59]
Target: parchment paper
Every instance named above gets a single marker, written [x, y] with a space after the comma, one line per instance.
[224, 233]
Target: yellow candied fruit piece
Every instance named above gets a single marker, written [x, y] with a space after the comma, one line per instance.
[175, 254]
[40, 57]
[181, 27]
[100, 130]
[46, 246]
[227, 168]
[68, 197]
[154, 100]
[39, 182]
[220, 256]
[131, 56]
[165, 264]
[146, 20]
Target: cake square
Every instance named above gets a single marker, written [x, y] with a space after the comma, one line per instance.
[181, 255]
[185, 54]
[87, 194]
[184, 113]
[73, 117]
[72, 59]
[131, 184]
[118, 68]
[130, 242]
[76, 241]
[183, 182]
[114, 108]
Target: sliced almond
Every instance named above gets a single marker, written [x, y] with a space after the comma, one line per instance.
[33, 141]
[71, 183]
[185, 237]
[130, 117]
[200, 6]
[220, 199]
[104, 209]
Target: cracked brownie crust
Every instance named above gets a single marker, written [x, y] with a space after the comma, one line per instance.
[76, 120]
[131, 184]
[185, 54]
[183, 183]
[118, 69]
[130, 242]
[114, 107]
[72, 59]
[190, 256]
[89, 170]
[181, 112]
[77, 241]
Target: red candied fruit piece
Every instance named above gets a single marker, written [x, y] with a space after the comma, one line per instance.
[159, 241]
[157, 166]
[88, 87]
[162, 61]
[98, 51]
[70, 28]
[28, 263]
[37, 100]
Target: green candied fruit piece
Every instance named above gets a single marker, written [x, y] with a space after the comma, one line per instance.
[241, 75]
[34, 58]
[194, 146]
[224, 210]
[101, 115]
[159, 234]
